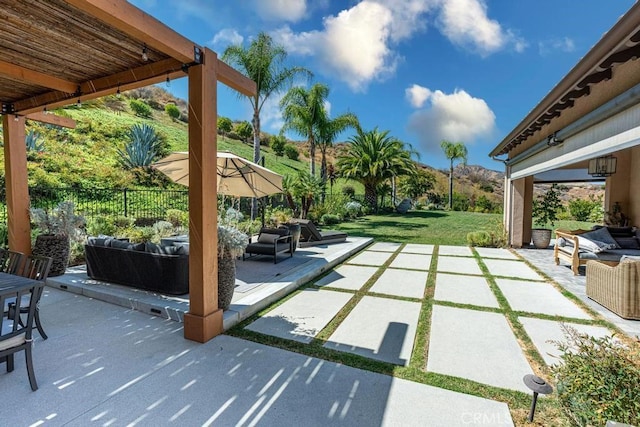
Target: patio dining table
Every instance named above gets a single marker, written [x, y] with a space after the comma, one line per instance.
[14, 283]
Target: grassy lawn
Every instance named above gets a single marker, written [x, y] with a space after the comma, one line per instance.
[431, 227]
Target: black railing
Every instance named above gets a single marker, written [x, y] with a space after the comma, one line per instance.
[109, 201]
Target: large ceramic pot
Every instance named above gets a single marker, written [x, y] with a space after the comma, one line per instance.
[294, 230]
[56, 247]
[541, 237]
[226, 280]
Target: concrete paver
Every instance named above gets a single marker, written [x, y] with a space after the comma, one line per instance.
[371, 258]
[507, 268]
[543, 331]
[458, 265]
[539, 297]
[351, 277]
[378, 328]
[464, 290]
[476, 345]
[384, 247]
[416, 248]
[402, 283]
[496, 253]
[412, 261]
[303, 316]
[455, 250]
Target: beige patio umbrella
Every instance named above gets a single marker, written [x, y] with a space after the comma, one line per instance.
[236, 176]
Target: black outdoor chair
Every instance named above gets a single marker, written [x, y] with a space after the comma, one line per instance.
[10, 261]
[16, 335]
[271, 241]
[310, 235]
[35, 267]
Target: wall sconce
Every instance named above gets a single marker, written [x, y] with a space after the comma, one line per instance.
[553, 140]
[603, 166]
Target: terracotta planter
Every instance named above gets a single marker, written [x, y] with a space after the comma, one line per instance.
[56, 247]
[226, 280]
[541, 237]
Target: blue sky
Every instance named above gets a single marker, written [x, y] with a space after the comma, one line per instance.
[426, 70]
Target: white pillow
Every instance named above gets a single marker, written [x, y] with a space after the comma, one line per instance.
[267, 238]
[594, 245]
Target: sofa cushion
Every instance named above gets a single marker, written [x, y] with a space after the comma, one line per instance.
[628, 242]
[267, 237]
[118, 244]
[600, 235]
[140, 247]
[164, 250]
[98, 241]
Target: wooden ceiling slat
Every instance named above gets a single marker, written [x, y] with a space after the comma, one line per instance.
[133, 21]
[234, 79]
[52, 119]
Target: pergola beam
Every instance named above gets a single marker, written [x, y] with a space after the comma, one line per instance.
[52, 119]
[148, 74]
[235, 80]
[129, 19]
[34, 77]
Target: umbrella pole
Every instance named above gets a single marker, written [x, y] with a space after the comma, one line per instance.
[262, 209]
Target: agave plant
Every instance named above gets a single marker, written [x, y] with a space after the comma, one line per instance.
[32, 140]
[142, 148]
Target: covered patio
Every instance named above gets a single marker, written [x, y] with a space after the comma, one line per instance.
[61, 52]
[591, 114]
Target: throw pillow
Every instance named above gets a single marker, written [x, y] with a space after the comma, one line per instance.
[267, 238]
[119, 244]
[594, 246]
[98, 241]
[152, 248]
[628, 242]
[140, 247]
[601, 235]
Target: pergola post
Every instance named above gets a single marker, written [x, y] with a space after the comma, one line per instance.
[204, 319]
[521, 212]
[17, 186]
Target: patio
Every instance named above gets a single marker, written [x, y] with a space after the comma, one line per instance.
[147, 373]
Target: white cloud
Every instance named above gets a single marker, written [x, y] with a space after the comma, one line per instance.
[564, 44]
[466, 24]
[281, 10]
[228, 36]
[417, 95]
[270, 115]
[456, 117]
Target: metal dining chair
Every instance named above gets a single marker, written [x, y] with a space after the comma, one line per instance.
[10, 261]
[36, 267]
[16, 335]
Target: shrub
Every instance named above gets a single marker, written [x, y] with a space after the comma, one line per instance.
[330, 219]
[177, 218]
[277, 144]
[598, 380]
[291, 151]
[244, 131]
[4, 235]
[495, 237]
[101, 225]
[460, 202]
[163, 229]
[586, 210]
[140, 234]
[140, 108]
[349, 191]
[225, 125]
[172, 111]
[353, 209]
[480, 238]
[483, 204]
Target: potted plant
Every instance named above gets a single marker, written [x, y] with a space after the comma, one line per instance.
[55, 231]
[545, 213]
[231, 244]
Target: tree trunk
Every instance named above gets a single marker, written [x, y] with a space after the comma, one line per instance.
[323, 166]
[312, 156]
[256, 157]
[371, 196]
[451, 185]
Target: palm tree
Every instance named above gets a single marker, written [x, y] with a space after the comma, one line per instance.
[327, 130]
[306, 188]
[302, 110]
[262, 62]
[453, 151]
[371, 158]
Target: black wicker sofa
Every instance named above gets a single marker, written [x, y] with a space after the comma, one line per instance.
[147, 266]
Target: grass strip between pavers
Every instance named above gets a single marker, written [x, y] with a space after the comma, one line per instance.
[548, 412]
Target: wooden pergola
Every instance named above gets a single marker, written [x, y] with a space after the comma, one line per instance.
[56, 52]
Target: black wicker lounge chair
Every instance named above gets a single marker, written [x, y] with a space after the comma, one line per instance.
[310, 235]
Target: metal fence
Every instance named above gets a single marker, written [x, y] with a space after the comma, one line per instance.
[108, 201]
